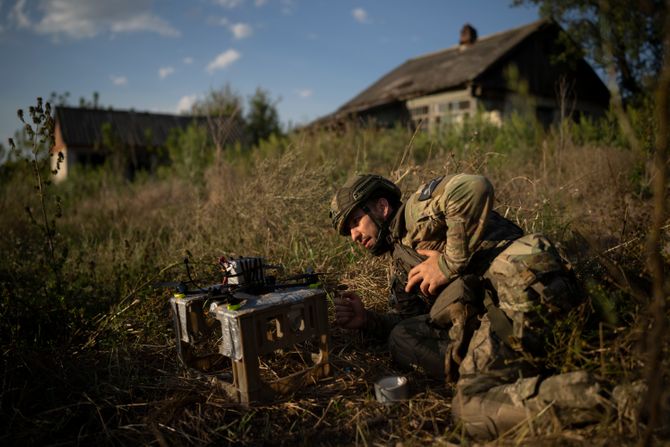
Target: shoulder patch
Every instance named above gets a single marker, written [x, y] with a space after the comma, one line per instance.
[427, 190]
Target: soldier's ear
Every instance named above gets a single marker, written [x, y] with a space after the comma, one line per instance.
[384, 207]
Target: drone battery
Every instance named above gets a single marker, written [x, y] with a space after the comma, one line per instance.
[245, 271]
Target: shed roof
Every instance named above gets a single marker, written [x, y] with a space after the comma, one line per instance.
[82, 127]
[440, 70]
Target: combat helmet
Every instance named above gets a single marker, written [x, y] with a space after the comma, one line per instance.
[355, 192]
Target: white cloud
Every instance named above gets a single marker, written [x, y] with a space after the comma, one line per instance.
[118, 80]
[187, 60]
[223, 60]
[145, 22]
[230, 4]
[185, 103]
[360, 15]
[305, 92]
[241, 30]
[18, 15]
[84, 18]
[164, 72]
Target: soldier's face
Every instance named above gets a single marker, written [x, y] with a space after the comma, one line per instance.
[362, 229]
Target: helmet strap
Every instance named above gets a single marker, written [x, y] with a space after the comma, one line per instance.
[383, 243]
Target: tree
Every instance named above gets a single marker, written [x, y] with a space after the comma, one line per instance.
[189, 151]
[229, 125]
[262, 118]
[93, 104]
[63, 100]
[117, 157]
[59, 99]
[625, 34]
[224, 112]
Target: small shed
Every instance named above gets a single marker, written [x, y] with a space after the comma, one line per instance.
[89, 137]
[495, 75]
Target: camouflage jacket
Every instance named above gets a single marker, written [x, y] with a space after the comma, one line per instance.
[452, 214]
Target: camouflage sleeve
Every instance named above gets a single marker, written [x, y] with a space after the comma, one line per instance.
[466, 203]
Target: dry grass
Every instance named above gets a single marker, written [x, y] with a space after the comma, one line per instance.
[111, 377]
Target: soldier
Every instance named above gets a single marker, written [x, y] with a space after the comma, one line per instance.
[472, 298]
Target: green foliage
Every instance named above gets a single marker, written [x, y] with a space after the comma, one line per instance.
[515, 83]
[644, 125]
[59, 99]
[33, 277]
[94, 103]
[588, 130]
[262, 118]
[605, 303]
[228, 124]
[190, 152]
[632, 30]
[116, 160]
[224, 101]
[606, 130]
[63, 99]
[21, 146]
[479, 138]
[107, 332]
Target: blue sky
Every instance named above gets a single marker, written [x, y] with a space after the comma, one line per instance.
[160, 55]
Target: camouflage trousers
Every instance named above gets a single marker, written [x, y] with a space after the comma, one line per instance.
[415, 343]
[425, 341]
[494, 395]
[496, 391]
[497, 388]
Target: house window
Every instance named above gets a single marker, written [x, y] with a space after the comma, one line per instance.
[454, 106]
[420, 117]
[418, 111]
[422, 124]
[429, 116]
[454, 111]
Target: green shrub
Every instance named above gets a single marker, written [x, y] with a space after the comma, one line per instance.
[89, 306]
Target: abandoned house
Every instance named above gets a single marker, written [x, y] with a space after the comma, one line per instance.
[494, 75]
[133, 140]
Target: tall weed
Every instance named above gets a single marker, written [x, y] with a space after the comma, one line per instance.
[122, 237]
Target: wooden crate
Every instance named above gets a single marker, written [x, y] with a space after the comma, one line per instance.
[265, 323]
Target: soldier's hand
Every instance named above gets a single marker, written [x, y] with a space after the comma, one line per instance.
[349, 311]
[427, 275]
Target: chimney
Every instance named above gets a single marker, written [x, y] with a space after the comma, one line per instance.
[468, 36]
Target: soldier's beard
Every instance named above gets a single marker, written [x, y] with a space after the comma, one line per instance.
[383, 241]
[382, 244]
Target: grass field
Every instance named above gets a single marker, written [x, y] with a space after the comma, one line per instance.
[88, 351]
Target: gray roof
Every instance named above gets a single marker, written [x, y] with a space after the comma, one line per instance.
[441, 70]
[82, 127]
